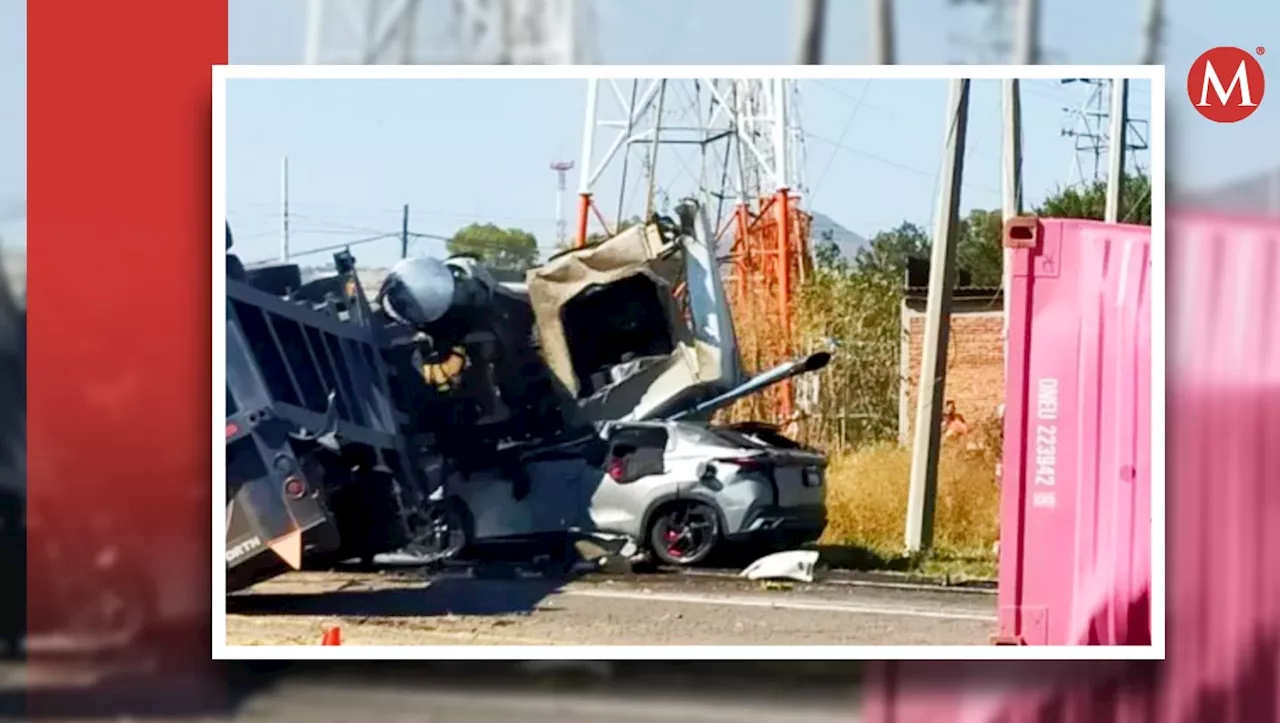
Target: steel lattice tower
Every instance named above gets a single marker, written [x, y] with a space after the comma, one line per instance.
[737, 145]
[490, 32]
[1088, 125]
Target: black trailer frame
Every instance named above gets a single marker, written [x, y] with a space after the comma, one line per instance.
[319, 465]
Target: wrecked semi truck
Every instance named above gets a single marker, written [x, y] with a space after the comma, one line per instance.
[469, 410]
[318, 462]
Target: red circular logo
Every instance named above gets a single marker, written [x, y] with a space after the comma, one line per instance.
[1226, 84]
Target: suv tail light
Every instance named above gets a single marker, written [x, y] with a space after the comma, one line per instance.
[747, 463]
[617, 469]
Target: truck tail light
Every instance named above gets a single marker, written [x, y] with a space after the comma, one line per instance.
[295, 488]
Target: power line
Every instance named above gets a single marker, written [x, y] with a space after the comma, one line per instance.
[840, 141]
[896, 164]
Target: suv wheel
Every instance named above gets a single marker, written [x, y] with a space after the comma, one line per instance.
[684, 533]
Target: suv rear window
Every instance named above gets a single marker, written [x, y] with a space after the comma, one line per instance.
[639, 452]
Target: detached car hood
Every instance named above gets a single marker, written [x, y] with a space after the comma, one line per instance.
[618, 341]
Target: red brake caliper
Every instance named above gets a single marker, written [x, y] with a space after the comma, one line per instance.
[672, 548]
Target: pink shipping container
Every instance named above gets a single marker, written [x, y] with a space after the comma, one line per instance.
[1075, 508]
[1223, 430]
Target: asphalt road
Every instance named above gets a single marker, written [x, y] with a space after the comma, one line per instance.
[328, 701]
[374, 609]
[322, 705]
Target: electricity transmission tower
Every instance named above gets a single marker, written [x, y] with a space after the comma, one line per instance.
[1088, 125]
[737, 145]
[489, 32]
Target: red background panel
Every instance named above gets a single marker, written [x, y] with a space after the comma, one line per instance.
[118, 294]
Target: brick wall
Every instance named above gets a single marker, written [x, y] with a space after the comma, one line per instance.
[975, 366]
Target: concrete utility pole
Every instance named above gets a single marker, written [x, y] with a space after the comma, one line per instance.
[404, 233]
[1116, 151]
[882, 47]
[1026, 35]
[811, 23]
[284, 209]
[1012, 187]
[923, 494]
[1152, 33]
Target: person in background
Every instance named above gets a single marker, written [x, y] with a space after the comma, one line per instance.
[953, 424]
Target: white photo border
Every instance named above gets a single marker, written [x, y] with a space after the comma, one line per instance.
[1156, 651]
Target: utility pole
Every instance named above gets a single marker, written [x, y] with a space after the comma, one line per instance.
[1012, 188]
[811, 23]
[284, 209]
[1026, 35]
[404, 233]
[1117, 148]
[922, 496]
[1152, 32]
[561, 168]
[882, 47]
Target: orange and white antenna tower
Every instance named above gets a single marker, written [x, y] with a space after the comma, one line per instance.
[737, 145]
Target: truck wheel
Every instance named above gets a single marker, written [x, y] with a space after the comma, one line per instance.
[444, 531]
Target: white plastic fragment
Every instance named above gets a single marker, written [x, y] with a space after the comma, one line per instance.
[792, 565]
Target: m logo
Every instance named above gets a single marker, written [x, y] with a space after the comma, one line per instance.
[1226, 84]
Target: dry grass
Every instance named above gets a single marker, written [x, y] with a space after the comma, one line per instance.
[867, 498]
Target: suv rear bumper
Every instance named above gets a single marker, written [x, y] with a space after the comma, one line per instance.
[802, 523]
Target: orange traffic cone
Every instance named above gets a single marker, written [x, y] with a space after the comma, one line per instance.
[332, 636]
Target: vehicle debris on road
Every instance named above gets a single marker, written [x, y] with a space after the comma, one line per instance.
[795, 565]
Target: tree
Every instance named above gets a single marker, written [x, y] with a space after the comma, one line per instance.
[856, 306]
[1091, 201]
[826, 253]
[887, 252]
[979, 248]
[509, 249]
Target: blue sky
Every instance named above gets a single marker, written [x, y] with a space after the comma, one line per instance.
[1201, 154]
[901, 127]
[13, 121]
[759, 31]
[462, 151]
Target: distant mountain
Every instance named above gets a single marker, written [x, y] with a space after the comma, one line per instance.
[824, 227]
